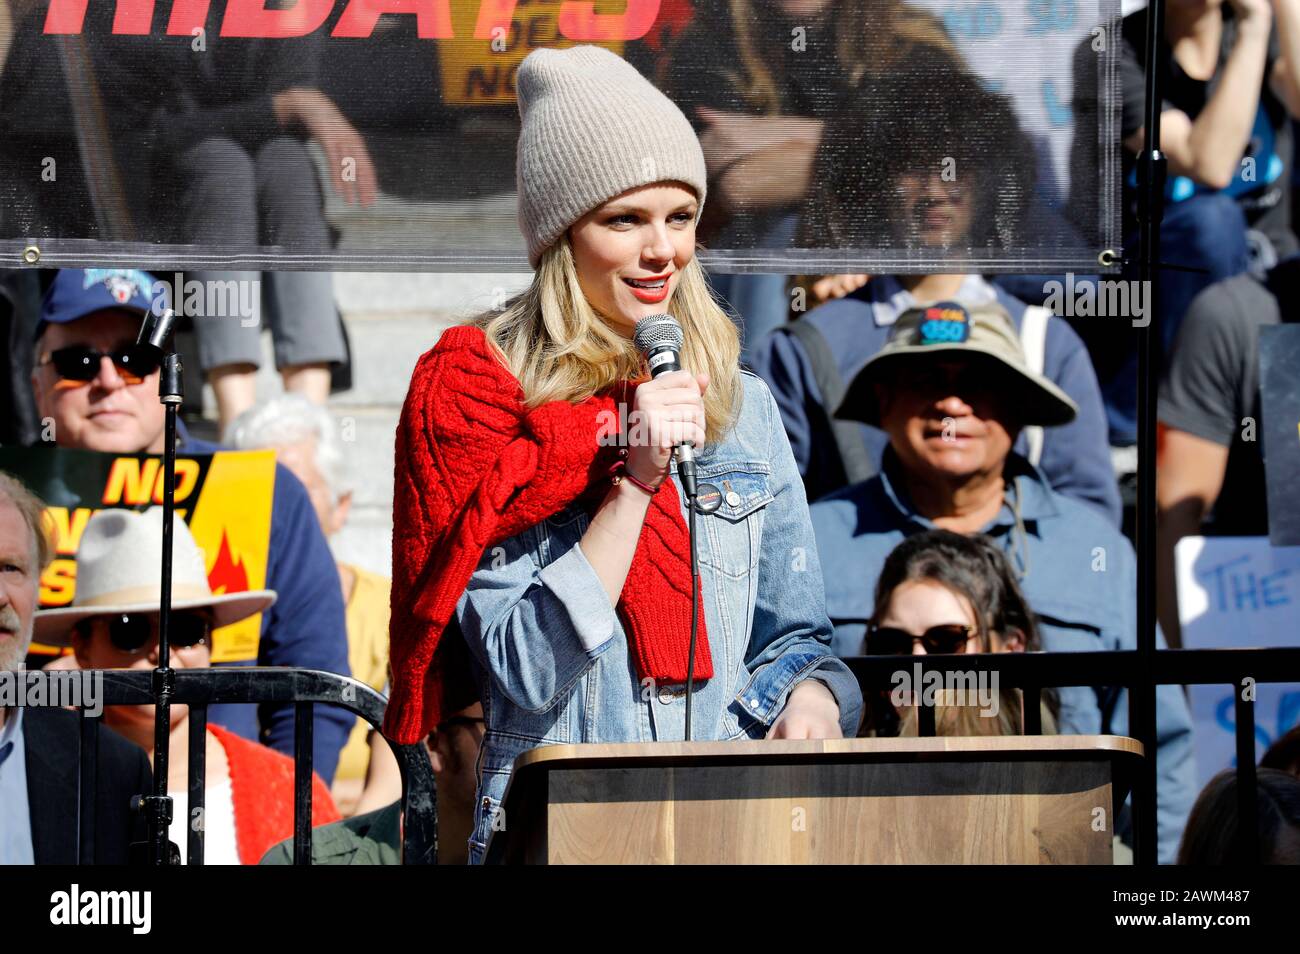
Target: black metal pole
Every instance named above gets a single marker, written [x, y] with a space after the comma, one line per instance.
[1151, 192]
[159, 807]
[1247, 780]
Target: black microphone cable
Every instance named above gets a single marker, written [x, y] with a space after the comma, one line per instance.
[695, 607]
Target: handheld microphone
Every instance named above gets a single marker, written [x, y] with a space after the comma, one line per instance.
[659, 338]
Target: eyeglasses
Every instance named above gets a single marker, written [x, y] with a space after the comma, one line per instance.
[81, 363]
[134, 633]
[890, 641]
[468, 721]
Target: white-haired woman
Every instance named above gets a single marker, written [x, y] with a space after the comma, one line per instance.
[538, 508]
[306, 440]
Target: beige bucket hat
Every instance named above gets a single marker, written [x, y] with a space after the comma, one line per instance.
[984, 332]
[119, 570]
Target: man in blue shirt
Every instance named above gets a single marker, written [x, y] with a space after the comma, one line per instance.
[96, 314]
[952, 391]
[1075, 457]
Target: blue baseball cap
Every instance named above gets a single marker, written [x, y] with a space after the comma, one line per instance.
[78, 292]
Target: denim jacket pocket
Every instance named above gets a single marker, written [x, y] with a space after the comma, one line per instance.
[735, 530]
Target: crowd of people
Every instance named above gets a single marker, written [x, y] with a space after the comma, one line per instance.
[944, 453]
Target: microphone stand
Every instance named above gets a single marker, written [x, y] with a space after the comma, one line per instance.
[158, 806]
[691, 494]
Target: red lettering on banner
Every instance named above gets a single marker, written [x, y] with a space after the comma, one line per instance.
[129, 16]
[433, 17]
[187, 16]
[580, 21]
[250, 18]
[493, 14]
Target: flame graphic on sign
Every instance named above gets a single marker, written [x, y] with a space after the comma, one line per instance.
[227, 575]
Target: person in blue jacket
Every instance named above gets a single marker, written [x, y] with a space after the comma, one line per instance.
[90, 318]
[951, 391]
[1075, 456]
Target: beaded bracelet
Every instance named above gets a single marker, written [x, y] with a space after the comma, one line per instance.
[619, 471]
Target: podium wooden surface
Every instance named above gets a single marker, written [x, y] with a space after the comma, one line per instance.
[948, 800]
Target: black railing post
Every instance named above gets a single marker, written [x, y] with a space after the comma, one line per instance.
[196, 825]
[1151, 192]
[87, 789]
[1247, 806]
[302, 775]
[1032, 705]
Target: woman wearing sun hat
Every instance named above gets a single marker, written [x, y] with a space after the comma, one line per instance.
[562, 557]
[112, 623]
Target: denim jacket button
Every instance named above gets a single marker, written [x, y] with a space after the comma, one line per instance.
[753, 703]
[669, 693]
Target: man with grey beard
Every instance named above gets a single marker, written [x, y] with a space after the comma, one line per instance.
[39, 746]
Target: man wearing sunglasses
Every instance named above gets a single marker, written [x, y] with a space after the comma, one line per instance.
[952, 390]
[100, 393]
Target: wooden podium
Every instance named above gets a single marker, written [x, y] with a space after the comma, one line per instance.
[1003, 800]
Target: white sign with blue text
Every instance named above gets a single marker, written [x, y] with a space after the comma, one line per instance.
[1238, 592]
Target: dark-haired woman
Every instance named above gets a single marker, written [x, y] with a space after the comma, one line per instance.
[943, 592]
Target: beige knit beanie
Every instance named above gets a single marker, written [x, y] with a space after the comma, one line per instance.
[593, 127]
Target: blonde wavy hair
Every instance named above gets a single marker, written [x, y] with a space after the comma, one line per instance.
[559, 348]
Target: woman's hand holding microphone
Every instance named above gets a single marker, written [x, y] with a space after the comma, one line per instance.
[666, 411]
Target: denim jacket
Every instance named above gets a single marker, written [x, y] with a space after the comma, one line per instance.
[551, 657]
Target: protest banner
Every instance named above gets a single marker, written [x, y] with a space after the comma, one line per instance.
[1237, 592]
[224, 497]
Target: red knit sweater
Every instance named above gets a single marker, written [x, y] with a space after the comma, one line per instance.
[474, 466]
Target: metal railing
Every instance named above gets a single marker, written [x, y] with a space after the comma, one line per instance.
[1034, 672]
[1031, 673]
[304, 689]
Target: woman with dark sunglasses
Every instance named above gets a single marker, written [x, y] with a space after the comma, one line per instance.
[112, 623]
[947, 593]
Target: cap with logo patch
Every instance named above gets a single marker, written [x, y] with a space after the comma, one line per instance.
[983, 333]
[78, 292]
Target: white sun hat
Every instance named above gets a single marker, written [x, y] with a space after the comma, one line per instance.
[119, 570]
